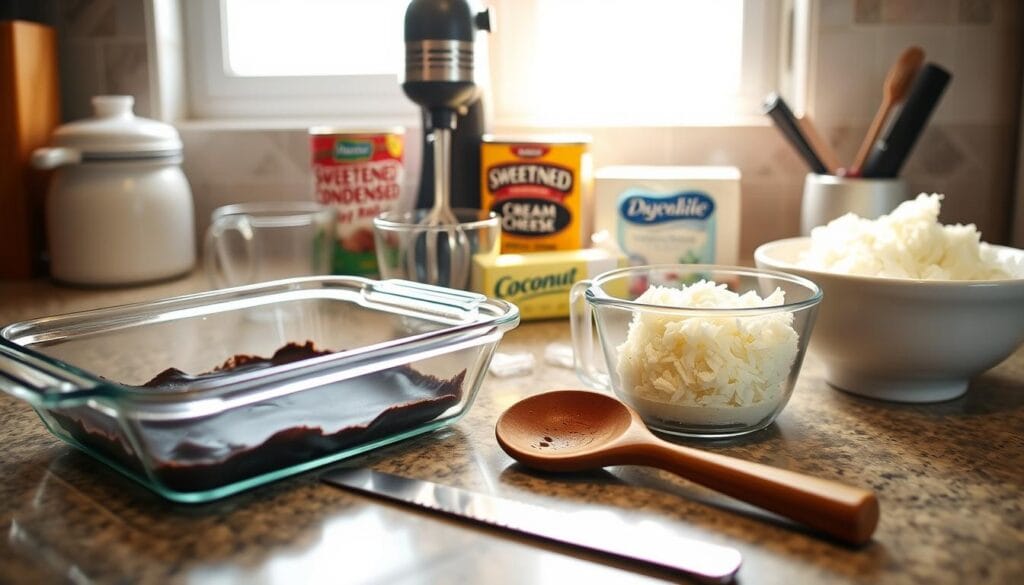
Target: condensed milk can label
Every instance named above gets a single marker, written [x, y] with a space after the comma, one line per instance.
[359, 173]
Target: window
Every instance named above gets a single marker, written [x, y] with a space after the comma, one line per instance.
[635, 62]
[296, 58]
[313, 37]
[551, 62]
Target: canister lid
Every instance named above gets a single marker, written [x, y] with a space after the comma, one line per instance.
[116, 132]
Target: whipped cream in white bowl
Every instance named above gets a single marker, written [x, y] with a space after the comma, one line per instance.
[912, 309]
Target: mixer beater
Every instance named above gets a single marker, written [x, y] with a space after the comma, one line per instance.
[439, 62]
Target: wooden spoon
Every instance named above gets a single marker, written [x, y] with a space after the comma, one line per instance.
[819, 144]
[576, 430]
[897, 82]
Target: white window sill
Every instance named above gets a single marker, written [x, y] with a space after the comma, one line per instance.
[276, 124]
[279, 124]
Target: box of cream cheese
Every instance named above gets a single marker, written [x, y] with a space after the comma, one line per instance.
[538, 283]
[670, 214]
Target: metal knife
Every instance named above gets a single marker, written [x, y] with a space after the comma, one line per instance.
[647, 542]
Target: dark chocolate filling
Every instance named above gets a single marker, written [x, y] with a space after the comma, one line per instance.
[203, 454]
[175, 379]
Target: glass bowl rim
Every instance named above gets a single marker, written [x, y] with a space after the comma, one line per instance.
[72, 384]
[276, 213]
[389, 220]
[596, 295]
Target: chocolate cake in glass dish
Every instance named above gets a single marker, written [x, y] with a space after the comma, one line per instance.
[202, 396]
[247, 442]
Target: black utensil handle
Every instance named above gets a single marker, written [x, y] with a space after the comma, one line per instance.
[891, 150]
[785, 121]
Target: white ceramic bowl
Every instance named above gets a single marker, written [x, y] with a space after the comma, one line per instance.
[908, 340]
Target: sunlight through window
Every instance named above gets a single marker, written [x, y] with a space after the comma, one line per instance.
[622, 60]
[547, 63]
[314, 37]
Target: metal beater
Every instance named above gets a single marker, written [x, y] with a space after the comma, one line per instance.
[439, 37]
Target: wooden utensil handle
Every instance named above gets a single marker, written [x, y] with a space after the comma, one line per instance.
[871, 137]
[820, 145]
[845, 512]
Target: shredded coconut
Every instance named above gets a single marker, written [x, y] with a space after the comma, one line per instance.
[908, 243]
[736, 363]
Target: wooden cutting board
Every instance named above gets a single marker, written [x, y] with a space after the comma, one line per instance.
[29, 112]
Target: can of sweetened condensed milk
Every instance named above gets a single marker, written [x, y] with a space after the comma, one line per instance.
[359, 174]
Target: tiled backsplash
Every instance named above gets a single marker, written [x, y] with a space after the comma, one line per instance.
[968, 151]
[102, 51]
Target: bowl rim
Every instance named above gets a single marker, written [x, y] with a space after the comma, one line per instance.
[762, 256]
[404, 220]
[598, 296]
[63, 384]
[283, 213]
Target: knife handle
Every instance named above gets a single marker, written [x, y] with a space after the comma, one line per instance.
[777, 109]
[890, 152]
[842, 511]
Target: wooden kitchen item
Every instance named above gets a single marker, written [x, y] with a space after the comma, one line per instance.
[577, 430]
[29, 111]
[819, 144]
[891, 150]
[897, 82]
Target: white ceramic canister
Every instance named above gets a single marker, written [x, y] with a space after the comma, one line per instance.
[119, 209]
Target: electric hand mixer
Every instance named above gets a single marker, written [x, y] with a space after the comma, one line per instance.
[439, 37]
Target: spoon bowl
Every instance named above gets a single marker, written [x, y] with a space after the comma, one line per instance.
[577, 430]
[569, 430]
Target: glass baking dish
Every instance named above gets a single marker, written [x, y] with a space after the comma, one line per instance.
[404, 359]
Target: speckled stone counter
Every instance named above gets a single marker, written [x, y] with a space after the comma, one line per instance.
[949, 476]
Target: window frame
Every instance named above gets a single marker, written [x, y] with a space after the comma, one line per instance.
[378, 99]
[214, 94]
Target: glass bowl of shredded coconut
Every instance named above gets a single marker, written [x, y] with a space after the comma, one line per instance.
[914, 309]
[697, 350]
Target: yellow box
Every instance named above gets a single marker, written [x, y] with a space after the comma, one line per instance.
[540, 186]
[539, 283]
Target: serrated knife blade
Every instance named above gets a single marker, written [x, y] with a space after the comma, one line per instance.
[604, 533]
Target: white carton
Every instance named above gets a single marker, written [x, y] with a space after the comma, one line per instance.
[671, 214]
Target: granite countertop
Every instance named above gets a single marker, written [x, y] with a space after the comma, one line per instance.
[949, 478]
